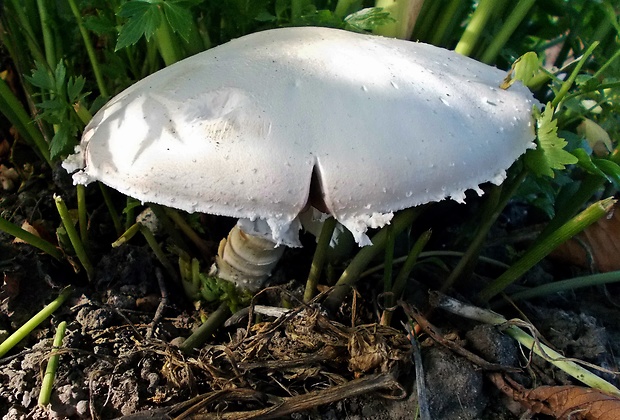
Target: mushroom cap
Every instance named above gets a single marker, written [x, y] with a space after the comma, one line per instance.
[239, 130]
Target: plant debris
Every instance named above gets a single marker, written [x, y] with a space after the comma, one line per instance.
[302, 360]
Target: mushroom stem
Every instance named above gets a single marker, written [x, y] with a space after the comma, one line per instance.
[246, 260]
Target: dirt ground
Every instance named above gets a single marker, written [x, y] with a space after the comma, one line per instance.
[119, 358]
[116, 362]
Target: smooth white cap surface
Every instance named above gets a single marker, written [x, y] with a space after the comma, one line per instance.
[237, 130]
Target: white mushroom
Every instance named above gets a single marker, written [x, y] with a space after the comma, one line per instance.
[371, 125]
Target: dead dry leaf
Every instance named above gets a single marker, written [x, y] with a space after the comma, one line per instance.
[575, 402]
[28, 228]
[562, 402]
[598, 246]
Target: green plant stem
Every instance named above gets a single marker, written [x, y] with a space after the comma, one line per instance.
[570, 284]
[165, 218]
[13, 110]
[602, 86]
[190, 233]
[490, 211]
[512, 22]
[404, 13]
[296, 10]
[476, 25]
[588, 187]
[445, 22]
[412, 258]
[90, 50]
[606, 65]
[82, 216]
[558, 360]
[318, 260]
[130, 212]
[571, 79]
[186, 271]
[31, 239]
[487, 260]
[388, 260]
[74, 237]
[116, 220]
[195, 42]
[26, 28]
[202, 333]
[49, 43]
[526, 340]
[432, 254]
[192, 284]
[159, 253]
[401, 279]
[127, 235]
[47, 384]
[427, 20]
[603, 28]
[343, 8]
[34, 322]
[189, 269]
[151, 64]
[493, 207]
[82, 112]
[364, 257]
[166, 44]
[388, 269]
[539, 79]
[543, 248]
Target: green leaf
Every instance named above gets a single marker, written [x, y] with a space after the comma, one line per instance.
[59, 75]
[549, 153]
[41, 78]
[51, 105]
[602, 167]
[179, 18]
[74, 88]
[131, 204]
[611, 14]
[323, 17]
[611, 170]
[585, 162]
[368, 19]
[143, 20]
[185, 3]
[62, 143]
[524, 69]
[209, 288]
[587, 82]
[100, 25]
[135, 8]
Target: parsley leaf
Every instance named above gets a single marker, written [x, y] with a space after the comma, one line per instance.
[549, 153]
[145, 17]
